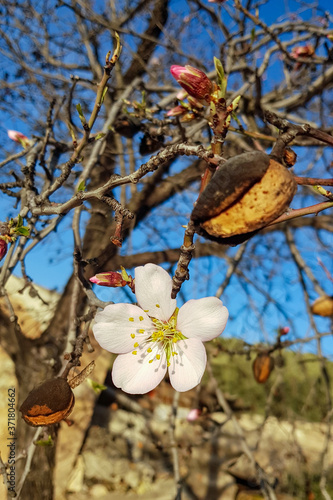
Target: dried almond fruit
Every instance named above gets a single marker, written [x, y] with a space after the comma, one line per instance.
[262, 367]
[49, 403]
[234, 203]
[323, 306]
[229, 183]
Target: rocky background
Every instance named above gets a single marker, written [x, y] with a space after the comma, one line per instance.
[121, 447]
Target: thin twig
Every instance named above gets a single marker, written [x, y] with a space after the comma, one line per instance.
[173, 444]
[30, 454]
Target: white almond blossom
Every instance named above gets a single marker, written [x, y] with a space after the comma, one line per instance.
[155, 336]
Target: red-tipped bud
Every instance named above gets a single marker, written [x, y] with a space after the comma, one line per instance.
[19, 137]
[177, 111]
[111, 278]
[193, 80]
[3, 248]
[181, 95]
[302, 51]
[283, 330]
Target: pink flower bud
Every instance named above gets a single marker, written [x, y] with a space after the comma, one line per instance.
[181, 95]
[19, 137]
[177, 111]
[3, 248]
[193, 415]
[302, 51]
[283, 330]
[195, 82]
[110, 278]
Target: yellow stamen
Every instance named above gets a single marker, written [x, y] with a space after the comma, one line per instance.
[133, 335]
[134, 352]
[130, 319]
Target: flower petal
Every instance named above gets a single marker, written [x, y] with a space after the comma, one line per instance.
[135, 375]
[118, 327]
[153, 291]
[188, 366]
[204, 318]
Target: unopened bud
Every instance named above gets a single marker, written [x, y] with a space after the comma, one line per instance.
[3, 248]
[193, 415]
[289, 157]
[302, 51]
[177, 111]
[110, 278]
[181, 95]
[193, 80]
[283, 330]
[16, 136]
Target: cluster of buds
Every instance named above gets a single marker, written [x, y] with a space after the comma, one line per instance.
[113, 279]
[9, 231]
[19, 137]
[301, 51]
[194, 81]
[202, 91]
[186, 112]
[197, 89]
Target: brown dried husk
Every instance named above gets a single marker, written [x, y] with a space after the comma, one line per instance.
[229, 183]
[323, 306]
[49, 403]
[261, 204]
[262, 367]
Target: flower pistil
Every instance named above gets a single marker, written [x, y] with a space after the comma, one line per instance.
[164, 334]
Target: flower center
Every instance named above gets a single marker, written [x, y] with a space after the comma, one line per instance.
[166, 335]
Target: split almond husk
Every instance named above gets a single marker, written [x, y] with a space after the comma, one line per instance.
[49, 403]
[229, 183]
[261, 204]
[323, 306]
[245, 195]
